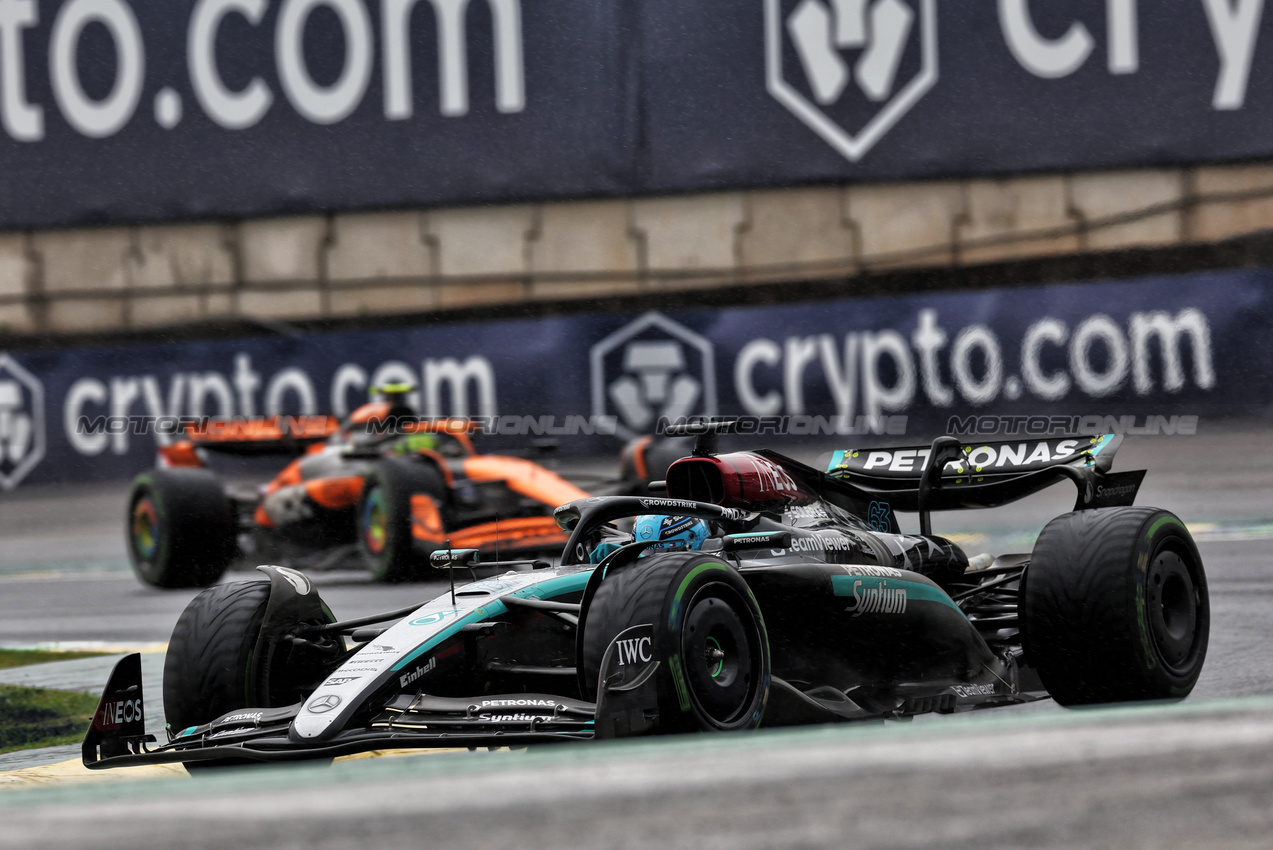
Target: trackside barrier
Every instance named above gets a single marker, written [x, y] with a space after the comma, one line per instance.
[1157, 355]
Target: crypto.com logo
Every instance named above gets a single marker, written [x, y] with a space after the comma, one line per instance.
[21, 422]
[651, 368]
[841, 66]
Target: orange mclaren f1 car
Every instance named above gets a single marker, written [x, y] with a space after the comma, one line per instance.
[382, 488]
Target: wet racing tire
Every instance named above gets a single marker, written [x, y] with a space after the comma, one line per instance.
[210, 668]
[1114, 607]
[707, 633]
[384, 517]
[182, 528]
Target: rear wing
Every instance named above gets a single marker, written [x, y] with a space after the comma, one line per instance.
[988, 474]
[262, 435]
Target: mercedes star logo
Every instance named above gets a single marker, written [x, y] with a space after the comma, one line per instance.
[324, 704]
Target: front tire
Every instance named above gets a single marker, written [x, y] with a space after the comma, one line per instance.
[182, 528]
[1115, 607]
[211, 670]
[707, 632]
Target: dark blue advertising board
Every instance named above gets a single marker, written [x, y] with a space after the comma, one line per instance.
[1161, 355]
[143, 110]
[152, 109]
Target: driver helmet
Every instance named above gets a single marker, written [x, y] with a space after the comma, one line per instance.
[396, 395]
[388, 408]
[670, 532]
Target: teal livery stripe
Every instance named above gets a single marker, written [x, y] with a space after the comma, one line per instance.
[476, 616]
[555, 586]
[856, 586]
[544, 590]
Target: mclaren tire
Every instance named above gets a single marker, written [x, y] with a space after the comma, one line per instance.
[182, 528]
[384, 517]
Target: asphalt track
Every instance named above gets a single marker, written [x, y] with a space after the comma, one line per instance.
[1197, 774]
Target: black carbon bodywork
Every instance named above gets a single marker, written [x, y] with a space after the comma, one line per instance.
[861, 622]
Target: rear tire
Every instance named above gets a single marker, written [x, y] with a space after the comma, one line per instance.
[182, 528]
[384, 517]
[708, 634]
[1115, 607]
[210, 670]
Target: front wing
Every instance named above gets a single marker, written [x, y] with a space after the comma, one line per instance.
[117, 735]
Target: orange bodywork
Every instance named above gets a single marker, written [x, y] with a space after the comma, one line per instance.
[290, 475]
[522, 476]
[369, 412]
[533, 532]
[335, 493]
[638, 457]
[344, 491]
[453, 427]
[179, 454]
[267, 428]
[426, 521]
[457, 428]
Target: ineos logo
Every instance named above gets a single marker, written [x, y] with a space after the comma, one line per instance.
[115, 714]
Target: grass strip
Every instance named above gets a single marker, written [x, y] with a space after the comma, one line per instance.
[23, 657]
[39, 717]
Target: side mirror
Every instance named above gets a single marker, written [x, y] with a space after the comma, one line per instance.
[450, 559]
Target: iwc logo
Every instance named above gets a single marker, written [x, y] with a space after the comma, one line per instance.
[651, 368]
[850, 69]
[21, 422]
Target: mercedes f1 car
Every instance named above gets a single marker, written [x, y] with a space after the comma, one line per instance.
[807, 604]
[381, 489]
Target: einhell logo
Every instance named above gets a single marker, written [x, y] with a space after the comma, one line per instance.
[850, 69]
[21, 422]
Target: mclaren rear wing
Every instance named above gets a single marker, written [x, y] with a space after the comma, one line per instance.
[288, 435]
[987, 475]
